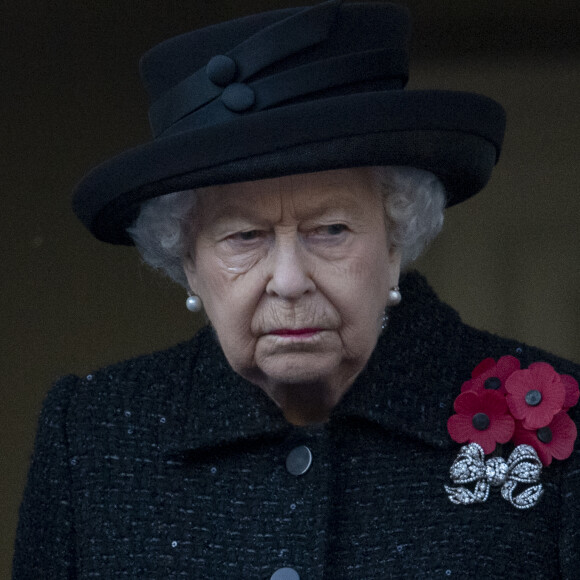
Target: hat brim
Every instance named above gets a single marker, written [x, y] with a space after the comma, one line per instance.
[455, 135]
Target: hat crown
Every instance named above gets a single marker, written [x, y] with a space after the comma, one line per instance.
[287, 92]
[325, 50]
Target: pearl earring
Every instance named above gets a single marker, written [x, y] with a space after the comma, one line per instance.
[394, 296]
[193, 303]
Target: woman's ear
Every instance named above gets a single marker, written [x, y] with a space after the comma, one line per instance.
[395, 262]
[394, 273]
[189, 271]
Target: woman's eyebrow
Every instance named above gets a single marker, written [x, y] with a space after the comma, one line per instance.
[324, 203]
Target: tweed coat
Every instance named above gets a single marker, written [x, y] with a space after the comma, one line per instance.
[172, 466]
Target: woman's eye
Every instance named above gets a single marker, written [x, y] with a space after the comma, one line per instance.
[330, 234]
[331, 230]
[247, 236]
[335, 229]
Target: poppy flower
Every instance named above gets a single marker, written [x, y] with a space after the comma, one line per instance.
[491, 375]
[572, 392]
[535, 395]
[481, 418]
[555, 440]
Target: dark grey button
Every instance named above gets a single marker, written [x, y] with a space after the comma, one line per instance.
[544, 434]
[285, 574]
[533, 398]
[221, 70]
[492, 383]
[299, 460]
[480, 421]
[238, 97]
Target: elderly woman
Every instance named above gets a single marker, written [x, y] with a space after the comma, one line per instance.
[314, 428]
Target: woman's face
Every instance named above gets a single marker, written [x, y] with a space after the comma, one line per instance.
[294, 274]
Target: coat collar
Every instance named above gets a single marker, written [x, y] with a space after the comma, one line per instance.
[408, 385]
[416, 371]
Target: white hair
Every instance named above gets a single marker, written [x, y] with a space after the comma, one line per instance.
[413, 199]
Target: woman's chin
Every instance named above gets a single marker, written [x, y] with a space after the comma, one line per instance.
[314, 382]
[313, 361]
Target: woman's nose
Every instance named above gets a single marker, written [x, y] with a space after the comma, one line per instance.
[290, 274]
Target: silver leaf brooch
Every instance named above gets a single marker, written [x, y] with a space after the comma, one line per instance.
[503, 403]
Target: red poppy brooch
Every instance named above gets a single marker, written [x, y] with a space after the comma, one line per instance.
[503, 403]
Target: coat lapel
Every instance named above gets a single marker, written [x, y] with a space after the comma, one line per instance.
[216, 406]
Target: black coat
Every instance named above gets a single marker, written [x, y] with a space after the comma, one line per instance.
[172, 466]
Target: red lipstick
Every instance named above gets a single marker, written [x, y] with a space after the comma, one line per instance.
[295, 331]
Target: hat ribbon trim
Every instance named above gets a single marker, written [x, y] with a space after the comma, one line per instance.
[388, 64]
[299, 31]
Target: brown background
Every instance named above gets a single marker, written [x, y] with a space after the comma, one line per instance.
[508, 260]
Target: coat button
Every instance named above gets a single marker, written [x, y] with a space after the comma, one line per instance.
[285, 574]
[299, 460]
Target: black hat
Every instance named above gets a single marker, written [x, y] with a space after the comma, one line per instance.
[285, 92]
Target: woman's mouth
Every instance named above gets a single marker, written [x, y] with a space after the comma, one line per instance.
[296, 332]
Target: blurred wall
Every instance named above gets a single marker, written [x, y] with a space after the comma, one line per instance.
[507, 260]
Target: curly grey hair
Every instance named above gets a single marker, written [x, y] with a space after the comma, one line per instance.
[413, 199]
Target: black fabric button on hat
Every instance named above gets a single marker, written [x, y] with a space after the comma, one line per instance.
[238, 97]
[221, 70]
[299, 460]
[285, 574]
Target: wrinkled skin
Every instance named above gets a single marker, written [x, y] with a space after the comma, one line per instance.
[294, 274]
